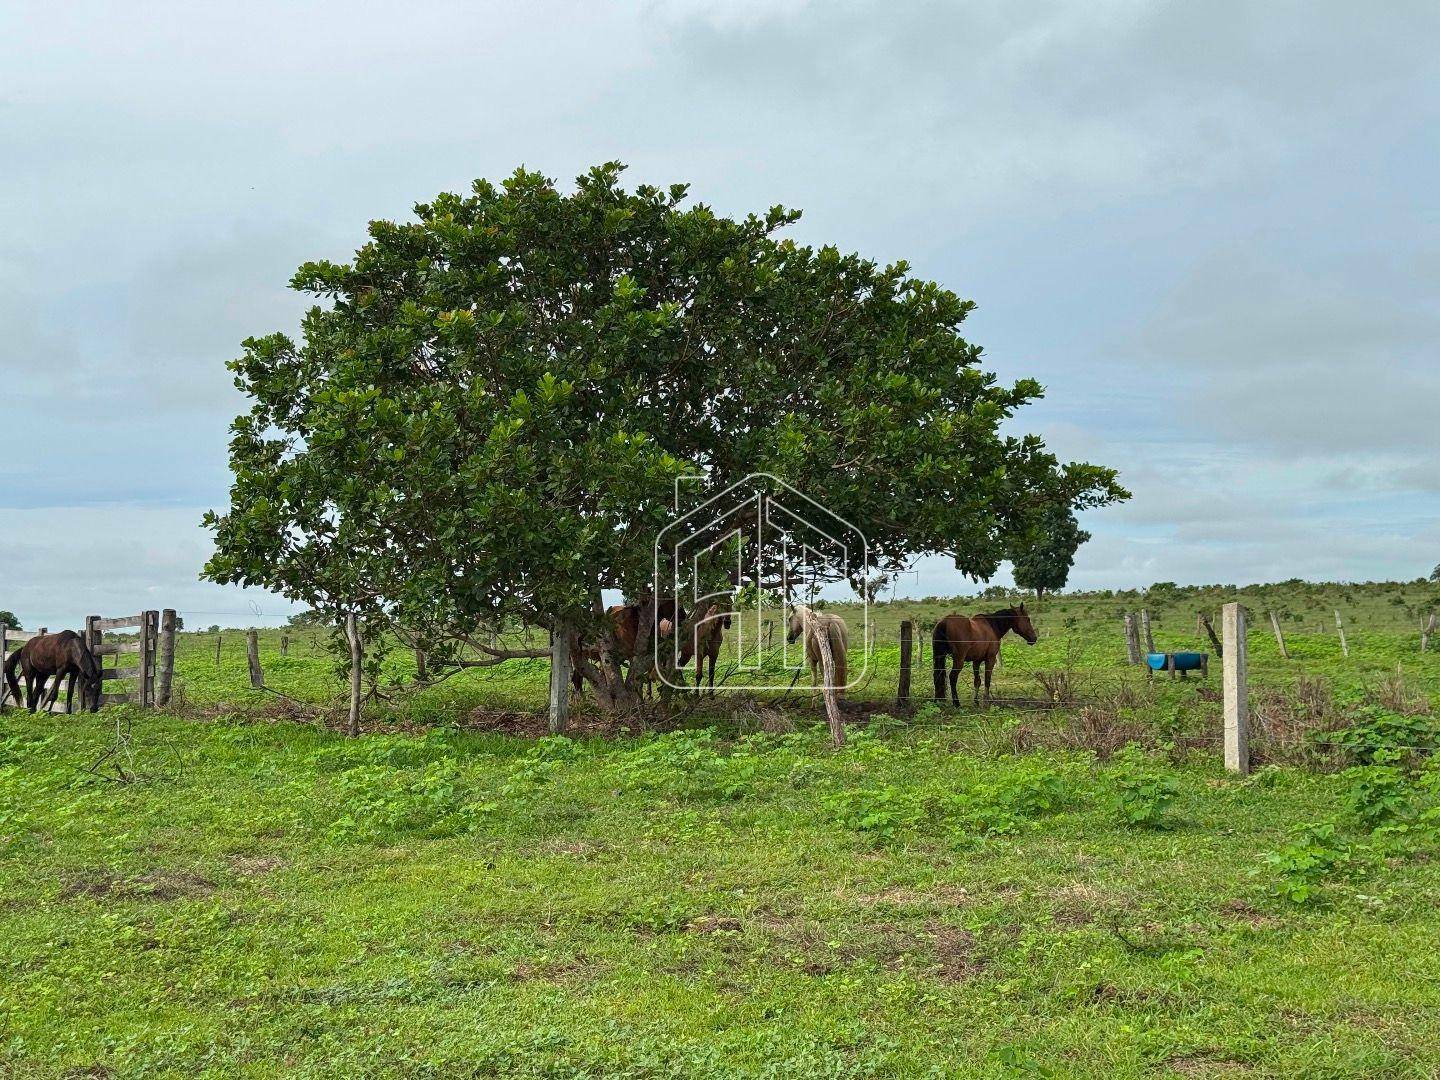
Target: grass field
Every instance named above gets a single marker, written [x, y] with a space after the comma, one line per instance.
[271, 898]
[1081, 632]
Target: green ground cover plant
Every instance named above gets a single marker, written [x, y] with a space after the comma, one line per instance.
[1076, 891]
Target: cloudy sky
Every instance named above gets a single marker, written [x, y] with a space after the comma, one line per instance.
[1210, 229]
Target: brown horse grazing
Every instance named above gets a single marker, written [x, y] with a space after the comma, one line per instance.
[977, 640]
[62, 656]
[704, 640]
[625, 623]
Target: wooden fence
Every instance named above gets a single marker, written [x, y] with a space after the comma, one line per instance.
[148, 678]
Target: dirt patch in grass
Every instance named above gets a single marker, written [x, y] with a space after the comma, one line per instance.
[940, 896]
[938, 950]
[98, 883]
[536, 725]
[713, 924]
[1080, 904]
[1244, 911]
[255, 865]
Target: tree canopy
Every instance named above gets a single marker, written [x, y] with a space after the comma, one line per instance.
[9, 621]
[489, 406]
[1044, 560]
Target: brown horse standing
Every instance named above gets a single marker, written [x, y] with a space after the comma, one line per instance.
[976, 640]
[625, 624]
[704, 640]
[60, 657]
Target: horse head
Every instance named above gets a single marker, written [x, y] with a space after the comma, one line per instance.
[798, 612]
[1020, 619]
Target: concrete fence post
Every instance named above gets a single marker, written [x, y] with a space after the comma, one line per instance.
[1340, 629]
[1236, 696]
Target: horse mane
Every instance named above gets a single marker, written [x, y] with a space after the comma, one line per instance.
[1000, 620]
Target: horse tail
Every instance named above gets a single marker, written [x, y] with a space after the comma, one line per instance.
[12, 663]
[839, 645]
[940, 648]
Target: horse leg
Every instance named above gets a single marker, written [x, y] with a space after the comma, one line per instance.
[54, 694]
[976, 668]
[955, 682]
[989, 670]
[712, 675]
[55, 690]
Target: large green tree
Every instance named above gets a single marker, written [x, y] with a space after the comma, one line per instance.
[489, 406]
[1043, 560]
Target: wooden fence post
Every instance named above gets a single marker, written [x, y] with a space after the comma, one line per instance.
[1132, 640]
[167, 657]
[1340, 629]
[907, 645]
[93, 640]
[284, 644]
[218, 639]
[1426, 631]
[252, 653]
[1237, 701]
[559, 678]
[5, 652]
[352, 635]
[1279, 635]
[149, 627]
[1208, 626]
[1145, 631]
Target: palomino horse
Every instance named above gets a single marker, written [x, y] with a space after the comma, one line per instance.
[63, 656]
[977, 640]
[813, 624]
[704, 640]
[624, 622]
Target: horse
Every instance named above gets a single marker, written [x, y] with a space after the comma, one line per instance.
[62, 656]
[977, 640]
[704, 640]
[624, 620]
[813, 624]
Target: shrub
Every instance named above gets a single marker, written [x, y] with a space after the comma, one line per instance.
[1141, 795]
[1316, 855]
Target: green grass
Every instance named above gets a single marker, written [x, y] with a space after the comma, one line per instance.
[1082, 632]
[279, 900]
[274, 899]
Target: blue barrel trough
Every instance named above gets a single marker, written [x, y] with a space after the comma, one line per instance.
[1178, 661]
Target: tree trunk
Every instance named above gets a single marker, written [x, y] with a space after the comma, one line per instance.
[827, 668]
